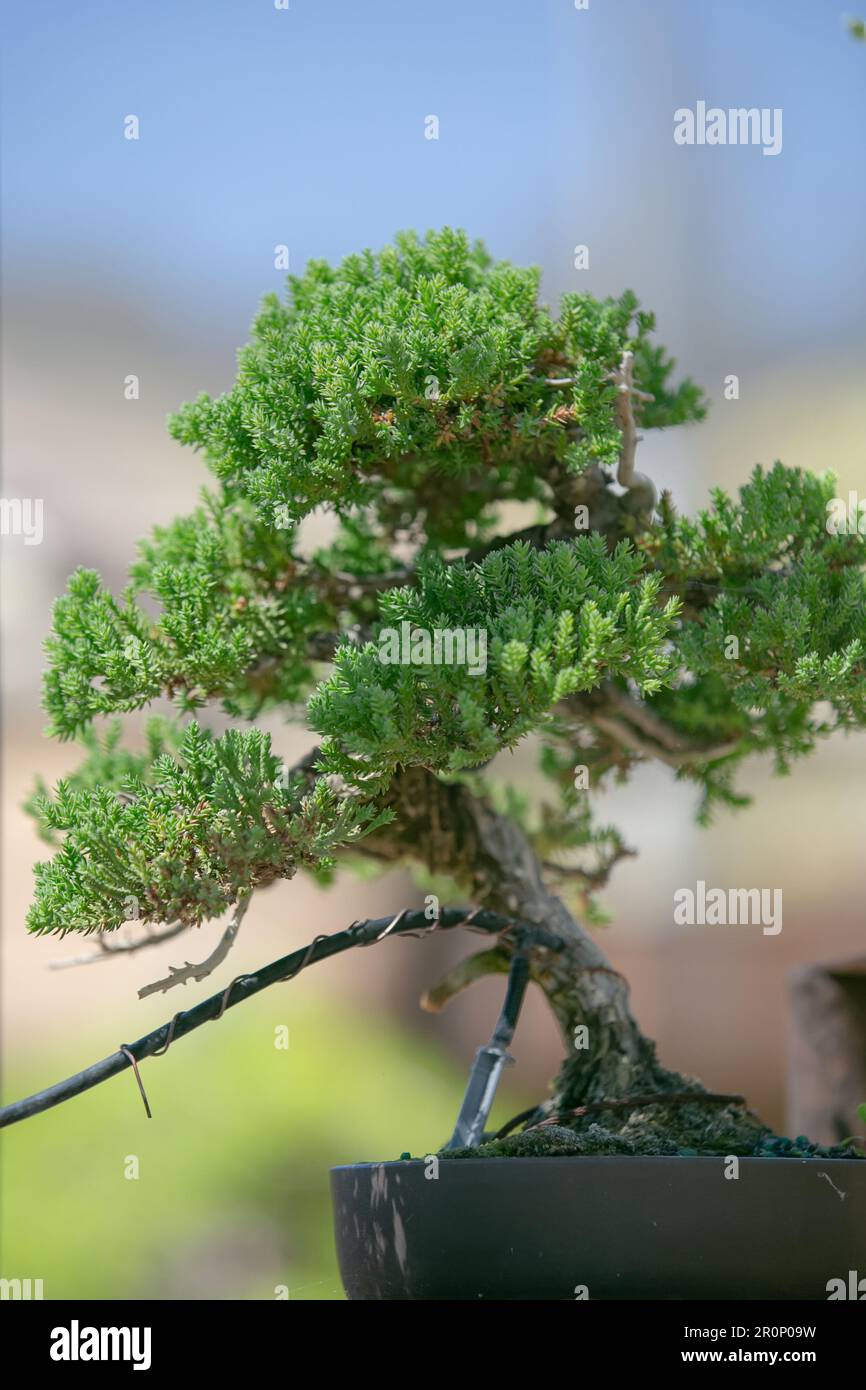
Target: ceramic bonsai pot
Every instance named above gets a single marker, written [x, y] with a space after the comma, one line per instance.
[618, 1227]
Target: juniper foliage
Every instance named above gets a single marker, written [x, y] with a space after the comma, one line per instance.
[419, 397]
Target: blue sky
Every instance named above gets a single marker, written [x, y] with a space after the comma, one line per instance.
[305, 127]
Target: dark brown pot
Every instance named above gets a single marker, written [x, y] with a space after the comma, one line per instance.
[625, 1228]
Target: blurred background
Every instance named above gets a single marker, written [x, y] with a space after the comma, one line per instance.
[305, 126]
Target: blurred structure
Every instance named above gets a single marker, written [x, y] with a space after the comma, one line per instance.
[827, 1074]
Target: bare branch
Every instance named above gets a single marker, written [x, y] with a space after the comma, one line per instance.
[355, 586]
[686, 750]
[623, 379]
[627, 737]
[634, 726]
[591, 879]
[181, 974]
[119, 948]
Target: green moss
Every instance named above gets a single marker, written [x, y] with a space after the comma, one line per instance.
[689, 1130]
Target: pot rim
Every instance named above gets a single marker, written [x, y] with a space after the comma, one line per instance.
[499, 1160]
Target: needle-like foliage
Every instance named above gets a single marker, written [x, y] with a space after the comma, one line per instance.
[418, 396]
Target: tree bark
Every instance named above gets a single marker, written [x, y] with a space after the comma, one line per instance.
[455, 832]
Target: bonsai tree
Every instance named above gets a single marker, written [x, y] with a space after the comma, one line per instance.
[498, 571]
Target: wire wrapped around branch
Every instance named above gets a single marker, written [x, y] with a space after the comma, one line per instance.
[367, 933]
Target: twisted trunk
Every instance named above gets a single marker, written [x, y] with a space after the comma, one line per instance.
[454, 832]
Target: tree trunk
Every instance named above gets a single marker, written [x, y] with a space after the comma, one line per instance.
[455, 832]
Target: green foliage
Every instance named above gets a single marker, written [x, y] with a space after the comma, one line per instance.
[411, 393]
[555, 622]
[380, 378]
[765, 572]
[232, 623]
[780, 514]
[178, 838]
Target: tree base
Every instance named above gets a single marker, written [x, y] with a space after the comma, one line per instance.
[657, 1129]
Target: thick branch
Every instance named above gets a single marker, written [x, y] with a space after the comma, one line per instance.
[627, 737]
[634, 726]
[452, 831]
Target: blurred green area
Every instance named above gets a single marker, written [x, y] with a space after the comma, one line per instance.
[232, 1197]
